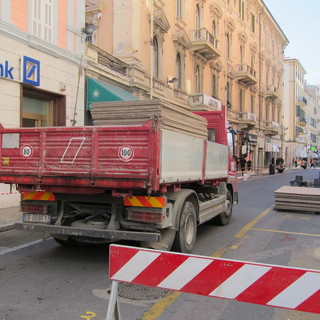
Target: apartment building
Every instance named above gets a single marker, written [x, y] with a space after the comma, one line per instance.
[41, 43]
[197, 54]
[58, 57]
[301, 112]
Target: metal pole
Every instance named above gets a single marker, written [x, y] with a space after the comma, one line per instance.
[151, 51]
[113, 307]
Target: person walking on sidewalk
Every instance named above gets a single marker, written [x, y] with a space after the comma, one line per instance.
[312, 164]
[243, 164]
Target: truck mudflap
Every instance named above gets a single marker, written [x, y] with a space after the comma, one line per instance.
[112, 235]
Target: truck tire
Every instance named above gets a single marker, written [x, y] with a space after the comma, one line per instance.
[224, 218]
[187, 229]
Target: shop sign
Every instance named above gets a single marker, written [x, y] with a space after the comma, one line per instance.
[30, 71]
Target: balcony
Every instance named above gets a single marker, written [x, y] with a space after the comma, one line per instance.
[272, 92]
[272, 128]
[92, 6]
[249, 119]
[302, 101]
[98, 58]
[246, 75]
[203, 43]
[301, 121]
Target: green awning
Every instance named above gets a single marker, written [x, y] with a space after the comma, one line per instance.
[101, 91]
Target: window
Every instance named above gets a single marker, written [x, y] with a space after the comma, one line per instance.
[215, 86]
[155, 57]
[241, 98]
[214, 29]
[273, 117]
[253, 23]
[228, 94]
[42, 109]
[42, 19]
[37, 113]
[198, 80]
[198, 17]
[267, 111]
[228, 45]
[241, 9]
[252, 61]
[241, 54]
[179, 70]
[252, 102]
[179, 9]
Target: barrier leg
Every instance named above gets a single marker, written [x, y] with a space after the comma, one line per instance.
[113, 307]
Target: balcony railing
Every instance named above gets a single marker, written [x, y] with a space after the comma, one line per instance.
[272, 128]
[272, 92]
[302, 101]
[272, 125]
[96, 57]
[301, 121]
[246, 74]
[204, 43]
[204, 102]
[248, 119]
[248, 116]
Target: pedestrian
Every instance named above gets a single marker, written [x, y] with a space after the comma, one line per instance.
[249, 165]
[312, 164]
[243, 164]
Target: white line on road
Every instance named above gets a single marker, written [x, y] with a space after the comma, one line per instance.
[22, 246]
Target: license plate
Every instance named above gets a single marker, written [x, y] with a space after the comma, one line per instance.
[36, 218]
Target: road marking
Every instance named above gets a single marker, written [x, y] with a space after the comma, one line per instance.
[249, 226]
[25, 245]
[287, 232]
[159, 307]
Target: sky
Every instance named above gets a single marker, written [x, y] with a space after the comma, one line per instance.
[300, 22]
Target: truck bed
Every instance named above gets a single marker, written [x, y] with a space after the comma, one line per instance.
[115, 157]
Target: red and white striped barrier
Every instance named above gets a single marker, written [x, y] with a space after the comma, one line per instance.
[269, 285]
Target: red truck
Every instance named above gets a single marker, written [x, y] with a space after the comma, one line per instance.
[98, 184]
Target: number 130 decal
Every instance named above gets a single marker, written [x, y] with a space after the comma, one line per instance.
[126, 153]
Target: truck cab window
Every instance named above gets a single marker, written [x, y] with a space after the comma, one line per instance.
[230, 137]
[212, 135]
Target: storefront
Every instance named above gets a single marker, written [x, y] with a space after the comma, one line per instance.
[37, 89]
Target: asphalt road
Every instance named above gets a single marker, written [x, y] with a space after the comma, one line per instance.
[41, 280]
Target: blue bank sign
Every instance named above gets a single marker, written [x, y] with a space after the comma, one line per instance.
[30, 71]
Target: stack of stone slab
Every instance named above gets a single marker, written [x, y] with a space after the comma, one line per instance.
[170, 117]
[297, 199]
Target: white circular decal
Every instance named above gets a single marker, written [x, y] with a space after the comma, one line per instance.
[126, 153]
[26, 151]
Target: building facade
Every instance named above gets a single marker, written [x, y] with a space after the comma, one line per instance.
[198, 54]
[41, 44]
[301, 113]
[57, 57]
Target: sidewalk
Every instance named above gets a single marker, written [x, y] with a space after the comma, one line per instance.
[9, 216]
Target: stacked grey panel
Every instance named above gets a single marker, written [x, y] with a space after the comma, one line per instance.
[170, 117]
[297, 199]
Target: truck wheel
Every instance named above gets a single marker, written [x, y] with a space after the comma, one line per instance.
[187, 229]
[224, 218]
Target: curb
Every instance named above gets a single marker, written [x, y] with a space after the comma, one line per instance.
[7, 227]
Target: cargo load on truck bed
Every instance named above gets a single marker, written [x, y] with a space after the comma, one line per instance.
[170, 117]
